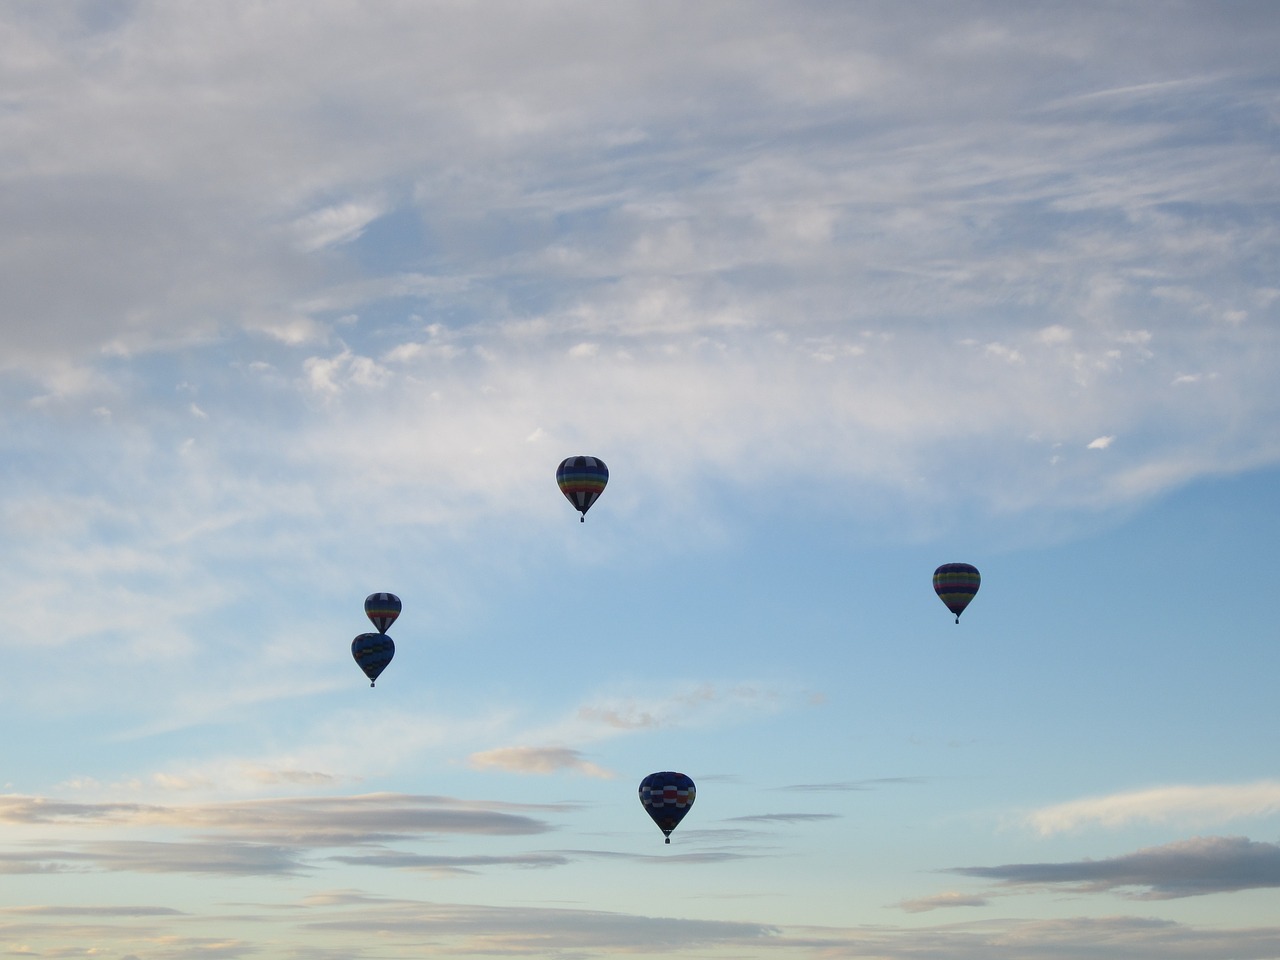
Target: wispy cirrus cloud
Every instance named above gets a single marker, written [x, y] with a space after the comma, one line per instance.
[602, 717]
[680, 706]
[1184, 805]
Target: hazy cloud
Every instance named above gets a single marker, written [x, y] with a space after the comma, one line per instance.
[689, 705]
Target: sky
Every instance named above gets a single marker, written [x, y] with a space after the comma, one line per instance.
[303, 302]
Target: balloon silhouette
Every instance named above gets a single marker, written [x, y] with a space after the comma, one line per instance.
[582, 480]
[956, 584]
[382, 609]
[667, 797]
[372, 653]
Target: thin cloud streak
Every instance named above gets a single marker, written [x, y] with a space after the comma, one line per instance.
[846, 786]
[784, 817]
[322, 821]
[942, 900]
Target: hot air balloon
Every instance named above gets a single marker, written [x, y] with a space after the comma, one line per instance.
[667, 797]
[382, 609]
[955, 584]
[372, 652]
[582, 480]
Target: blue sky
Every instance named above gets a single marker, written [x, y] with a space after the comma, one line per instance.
[307, 302]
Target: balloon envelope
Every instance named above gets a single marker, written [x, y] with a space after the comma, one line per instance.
[372, 652]
[582, 480]
[956, 584]
[382, 609]
[667, 797]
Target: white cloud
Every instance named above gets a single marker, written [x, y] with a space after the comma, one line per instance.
[341, 223]
[1189, 806]
[331, 375]
[1101, 443]
[1055, 334]
[538, 760]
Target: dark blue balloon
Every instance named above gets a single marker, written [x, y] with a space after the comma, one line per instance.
[667, 797]
[382, 609]
[373, 651]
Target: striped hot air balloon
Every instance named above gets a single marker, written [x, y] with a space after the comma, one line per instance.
[667, 797]
[956, 584]
[382, 609]
[582, 480]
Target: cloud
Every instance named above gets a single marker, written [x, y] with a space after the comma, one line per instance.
[696, 858]
[228, 858]
[681, 706]
[540, 760]
[538, 931]
[91, 911]
[341, 223]
[1101, 443]
[941, 900]
[273, 837]
[782, 292]
[1182, 805]
[1187, 868]
[345, 923]
[786, 817]
[303, 821]
[689, 705]
[854, 785]
[446, 865]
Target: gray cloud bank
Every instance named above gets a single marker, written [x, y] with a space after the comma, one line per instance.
[255, 838]
[1188, 868]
